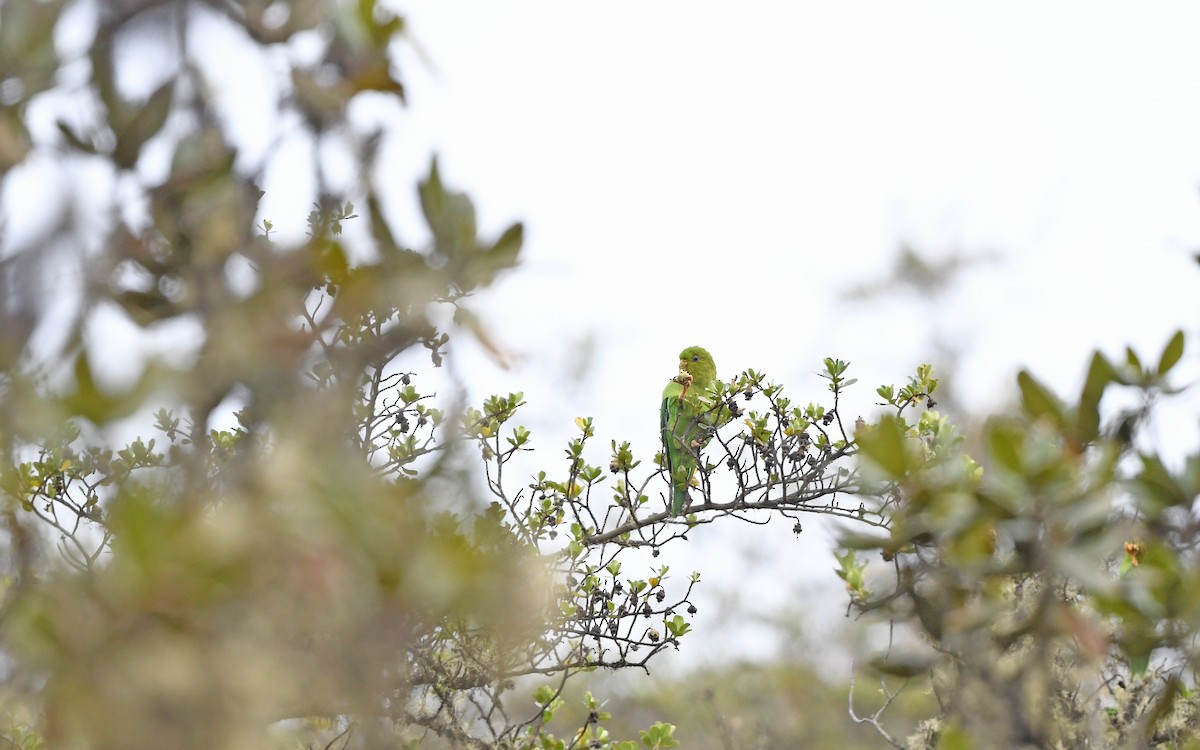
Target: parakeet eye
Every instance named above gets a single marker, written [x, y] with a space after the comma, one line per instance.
[695, 357]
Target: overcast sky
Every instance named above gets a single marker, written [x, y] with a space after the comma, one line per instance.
[696, 175]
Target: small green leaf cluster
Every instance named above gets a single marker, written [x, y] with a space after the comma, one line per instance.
[835, 370]
[854, 572]
[622, 459]
[592, 734]
[484, 426]
[919, 387]
[20, 735]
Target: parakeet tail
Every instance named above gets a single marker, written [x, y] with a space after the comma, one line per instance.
[679, 501]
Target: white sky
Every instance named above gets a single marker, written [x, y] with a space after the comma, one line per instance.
[718, 176]
[694, 173]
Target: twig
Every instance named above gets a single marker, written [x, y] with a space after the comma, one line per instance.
[873, 719]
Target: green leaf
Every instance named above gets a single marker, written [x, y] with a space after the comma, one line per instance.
[143, 126]
[1100, 375]
[451, 217]
[503, 253]
[1004, 443]
[886, 445]
[1160, 486]
[677, 626]
[1171, 354]
[543, 695]
[1037, 400]
[1131, 358]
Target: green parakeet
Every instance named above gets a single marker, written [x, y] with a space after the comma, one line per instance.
[684, 400]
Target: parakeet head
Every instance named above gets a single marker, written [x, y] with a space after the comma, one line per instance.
[698, 363]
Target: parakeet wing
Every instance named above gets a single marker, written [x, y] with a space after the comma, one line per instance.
[676, 421]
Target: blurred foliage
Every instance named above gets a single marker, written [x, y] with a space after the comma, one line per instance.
[1047, 584]
[746, 706]
[196, 588]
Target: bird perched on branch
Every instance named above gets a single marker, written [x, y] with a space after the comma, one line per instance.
[684, 401]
